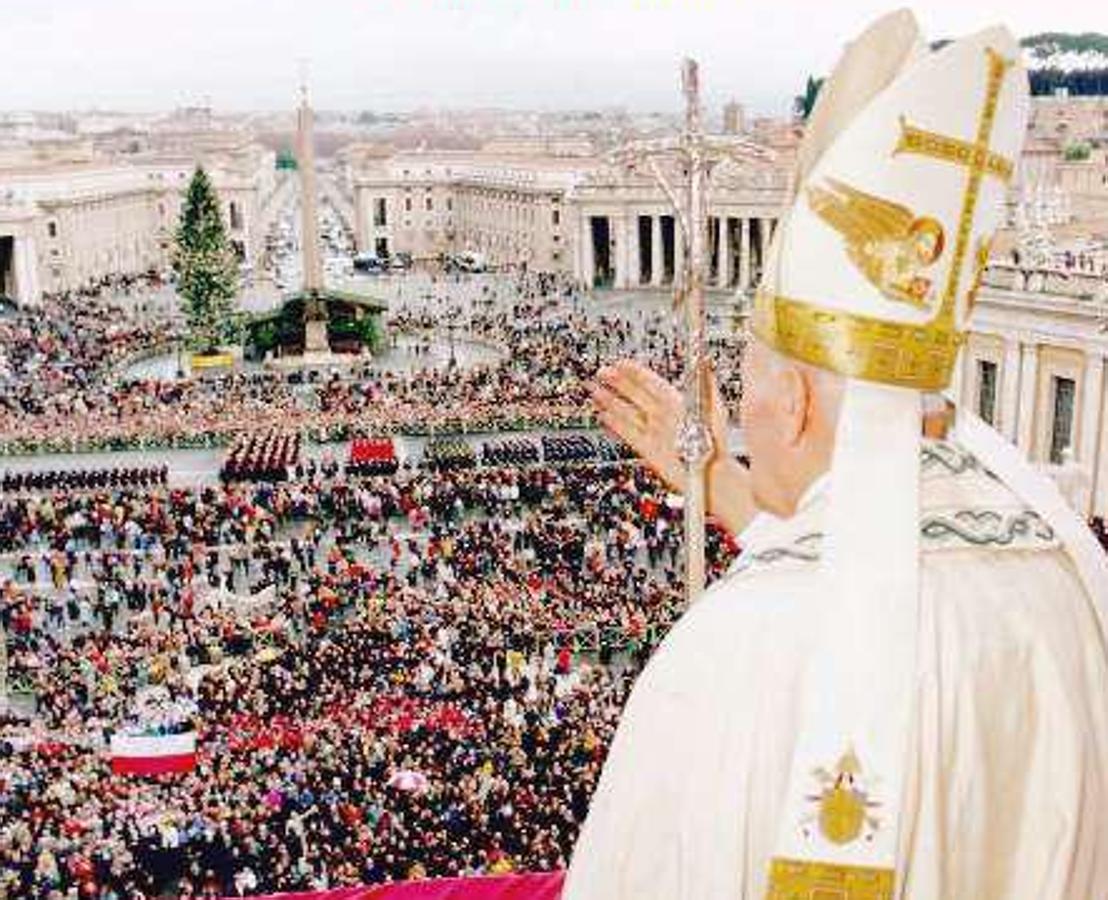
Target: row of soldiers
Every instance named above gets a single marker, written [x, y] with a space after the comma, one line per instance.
[267, 456]
[510, 452]
[85, 479]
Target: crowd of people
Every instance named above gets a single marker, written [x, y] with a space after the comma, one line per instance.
[547, 349]
[395, 668]
[55, 358]
[476, 628]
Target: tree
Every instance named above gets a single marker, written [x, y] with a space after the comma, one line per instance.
[207, 274]
[803, 103]
[1073, 63]
[286, 159]
[1078, 151]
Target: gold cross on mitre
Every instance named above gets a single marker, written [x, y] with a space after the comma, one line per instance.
[978, 159]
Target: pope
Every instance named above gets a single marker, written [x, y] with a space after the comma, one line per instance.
[900, 689]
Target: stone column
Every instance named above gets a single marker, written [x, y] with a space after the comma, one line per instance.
[25, 270]
[678, 253]
[959, 380]
[1099, 487]
[617, 244]
[744, 253]
[657, 258]
[630, 249]
[724, 252]
[1092, 401]
[309, 222]
[588, 260]
[763, 240]
[363, 212]
[1029, 370]
[1010, 390]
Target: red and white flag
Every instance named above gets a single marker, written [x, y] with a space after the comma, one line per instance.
[153, 754]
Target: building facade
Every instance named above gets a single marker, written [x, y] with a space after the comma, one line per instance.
[67, 221]
[558, 209]
[1034, 368]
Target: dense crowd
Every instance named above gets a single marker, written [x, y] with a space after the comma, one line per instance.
[393, 669]
[54, 358]
[546, 350]
[471, 633]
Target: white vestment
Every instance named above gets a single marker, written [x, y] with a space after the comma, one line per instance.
[1006, 790]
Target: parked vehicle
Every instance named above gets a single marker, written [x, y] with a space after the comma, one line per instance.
[369, 262]
[400, 262]
[469, 261]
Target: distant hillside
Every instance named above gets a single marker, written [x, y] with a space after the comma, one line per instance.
[1076, 62]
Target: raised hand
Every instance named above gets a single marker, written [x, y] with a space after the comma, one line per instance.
[645, 411]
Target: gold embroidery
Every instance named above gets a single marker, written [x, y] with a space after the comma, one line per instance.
[919, 356]
[951, 149]
[885, 240]
[792, 879]
[913, 356]
[842, 802]
[976, 168]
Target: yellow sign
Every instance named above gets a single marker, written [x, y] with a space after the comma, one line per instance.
[211, 361]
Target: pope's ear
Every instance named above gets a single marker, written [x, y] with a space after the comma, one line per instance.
[795, 398]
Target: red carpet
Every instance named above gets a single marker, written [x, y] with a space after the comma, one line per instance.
[542, 886]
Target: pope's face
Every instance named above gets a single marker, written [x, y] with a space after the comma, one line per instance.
[758, 418]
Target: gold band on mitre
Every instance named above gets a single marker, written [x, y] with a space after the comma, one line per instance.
[921, 356]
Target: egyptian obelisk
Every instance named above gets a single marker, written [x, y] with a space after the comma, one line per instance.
[315, 317]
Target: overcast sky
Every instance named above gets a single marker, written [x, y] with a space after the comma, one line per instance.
[400, 54]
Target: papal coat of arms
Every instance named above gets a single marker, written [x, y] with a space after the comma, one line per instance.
[889, 244]
[843, 805]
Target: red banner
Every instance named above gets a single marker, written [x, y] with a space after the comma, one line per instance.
[539, 886]
[148, 766]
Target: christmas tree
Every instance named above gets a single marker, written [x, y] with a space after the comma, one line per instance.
[207, 273]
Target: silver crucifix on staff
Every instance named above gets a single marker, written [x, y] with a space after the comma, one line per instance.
[697, 154]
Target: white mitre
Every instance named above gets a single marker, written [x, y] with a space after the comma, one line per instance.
[901, 184]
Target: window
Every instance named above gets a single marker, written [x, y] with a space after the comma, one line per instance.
[380, 219]
[556, 217]
[449, 204]
[986, 390]
[1061, 429]
[52, 229]
[428, 204]
[407, 204]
